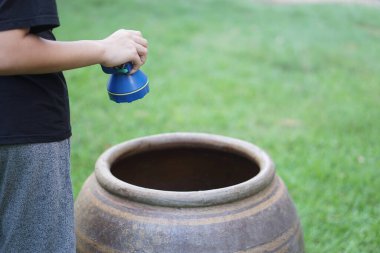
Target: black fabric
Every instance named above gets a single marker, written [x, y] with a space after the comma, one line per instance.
[33, 108]
[39, 15]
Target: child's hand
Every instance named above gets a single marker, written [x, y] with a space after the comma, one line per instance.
[125, 46]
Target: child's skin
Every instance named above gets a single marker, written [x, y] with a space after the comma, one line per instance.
[24, 53]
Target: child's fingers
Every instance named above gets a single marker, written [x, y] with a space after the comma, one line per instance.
[141, 50]
[137, 62]
[141, 41]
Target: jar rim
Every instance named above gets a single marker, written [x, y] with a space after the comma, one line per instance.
[184, 198]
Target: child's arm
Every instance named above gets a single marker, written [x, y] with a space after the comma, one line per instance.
[24, 53]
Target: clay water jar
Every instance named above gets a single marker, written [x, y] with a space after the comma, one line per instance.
[186, 193]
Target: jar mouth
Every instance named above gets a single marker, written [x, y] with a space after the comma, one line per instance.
[184, 169]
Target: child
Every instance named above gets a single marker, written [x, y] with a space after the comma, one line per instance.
[36, 202]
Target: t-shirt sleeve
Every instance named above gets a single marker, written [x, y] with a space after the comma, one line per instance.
[38, 15]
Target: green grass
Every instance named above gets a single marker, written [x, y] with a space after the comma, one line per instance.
[302, 82]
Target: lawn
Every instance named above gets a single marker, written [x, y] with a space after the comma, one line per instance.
[300, 81]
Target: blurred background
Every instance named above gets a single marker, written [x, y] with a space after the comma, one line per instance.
[301, 81]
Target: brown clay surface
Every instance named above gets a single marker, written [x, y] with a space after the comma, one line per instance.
[184, 169]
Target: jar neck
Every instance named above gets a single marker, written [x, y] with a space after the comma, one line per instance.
[201, 198]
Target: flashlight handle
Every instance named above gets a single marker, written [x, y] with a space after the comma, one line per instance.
[122, 69]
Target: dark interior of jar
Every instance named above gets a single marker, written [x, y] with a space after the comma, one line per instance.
[184, 169]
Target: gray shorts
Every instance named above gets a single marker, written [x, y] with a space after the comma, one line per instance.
[36, 200]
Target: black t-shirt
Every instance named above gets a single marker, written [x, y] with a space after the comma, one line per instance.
[33, 108]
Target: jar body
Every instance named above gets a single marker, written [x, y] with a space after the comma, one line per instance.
[265, 222]
[111, 218]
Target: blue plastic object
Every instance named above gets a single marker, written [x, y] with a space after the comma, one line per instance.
[124, 87]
